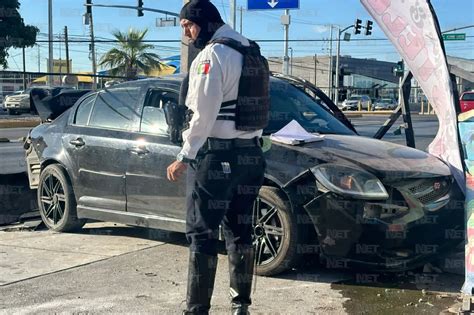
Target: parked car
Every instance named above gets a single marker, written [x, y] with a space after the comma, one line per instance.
[19, 101]
[352, 103]
[467, 101]
[348, 198]
[385, 104]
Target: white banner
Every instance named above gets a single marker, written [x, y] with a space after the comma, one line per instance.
[411, 27]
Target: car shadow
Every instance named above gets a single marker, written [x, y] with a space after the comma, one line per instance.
[163, 236]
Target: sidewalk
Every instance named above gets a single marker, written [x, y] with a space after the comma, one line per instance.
[117, 269]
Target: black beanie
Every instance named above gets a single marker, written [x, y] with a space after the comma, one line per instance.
[204, 14]
[201, 12]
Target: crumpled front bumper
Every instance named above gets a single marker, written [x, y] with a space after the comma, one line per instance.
[397, 234]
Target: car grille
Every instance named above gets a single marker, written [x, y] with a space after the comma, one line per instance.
[427, 191]
[17, 98]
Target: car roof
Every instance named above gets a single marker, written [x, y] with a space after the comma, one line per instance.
[173, 79]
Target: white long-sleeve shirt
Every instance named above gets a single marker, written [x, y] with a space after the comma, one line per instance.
[213, 79]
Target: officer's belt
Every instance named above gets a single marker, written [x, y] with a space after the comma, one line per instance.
[215, 144]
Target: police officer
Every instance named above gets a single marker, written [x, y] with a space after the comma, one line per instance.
[225, 166]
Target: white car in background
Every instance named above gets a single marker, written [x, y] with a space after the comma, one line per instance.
[17, 102]
[352, 103]
[385, 104]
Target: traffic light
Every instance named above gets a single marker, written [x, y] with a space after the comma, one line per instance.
[368, 27]
[399, 69]
[357, 26]
[140, 8]
[88, 7]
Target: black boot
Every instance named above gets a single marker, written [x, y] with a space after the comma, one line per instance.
[241, 264]
[201, 275]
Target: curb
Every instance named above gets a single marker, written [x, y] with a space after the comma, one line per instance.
[379, 113]
[19, 123]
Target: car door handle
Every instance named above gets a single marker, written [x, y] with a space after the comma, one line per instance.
[139, 150]
[78, 142]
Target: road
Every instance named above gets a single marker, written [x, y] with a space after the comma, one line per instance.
[13, 133]
[424, 127]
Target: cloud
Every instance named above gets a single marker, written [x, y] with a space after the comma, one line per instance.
[320, 28]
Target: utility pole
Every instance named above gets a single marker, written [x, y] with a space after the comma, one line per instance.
[233, 14]
[24, 69]
[315, 69]
[60, 58]
[66, 42]
[291, 60]
[188, 52]
[39, 58]
[330, 65]
[88, 20]
[337, 59]
[241, 18]
[50, 41]
[357, 27]
[285, 20]
[94, 63]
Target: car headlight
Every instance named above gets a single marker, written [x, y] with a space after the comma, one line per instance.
[350, 181]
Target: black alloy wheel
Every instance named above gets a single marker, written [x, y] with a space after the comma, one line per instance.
[275, 233]
[56, 201]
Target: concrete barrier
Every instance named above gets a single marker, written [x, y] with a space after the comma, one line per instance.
[16, 123]
[16, 198]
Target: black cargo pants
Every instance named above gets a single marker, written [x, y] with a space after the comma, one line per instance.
[221, 188]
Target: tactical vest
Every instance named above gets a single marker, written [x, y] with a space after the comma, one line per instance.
[251, 109]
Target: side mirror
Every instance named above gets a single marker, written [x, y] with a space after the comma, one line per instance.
[174, 115]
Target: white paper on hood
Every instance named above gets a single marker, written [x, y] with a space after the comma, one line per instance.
[293, 133]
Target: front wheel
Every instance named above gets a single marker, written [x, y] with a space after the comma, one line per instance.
[56, 201]
[275, 232]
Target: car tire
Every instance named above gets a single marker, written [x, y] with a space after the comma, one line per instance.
[11, 112]
[276, 239]
[56, 200]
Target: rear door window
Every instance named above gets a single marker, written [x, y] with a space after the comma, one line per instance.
[84, 110]
[116, 108]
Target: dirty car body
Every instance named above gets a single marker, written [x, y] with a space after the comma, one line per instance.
[347, 198]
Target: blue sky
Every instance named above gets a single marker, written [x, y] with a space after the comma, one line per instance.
[309, 22]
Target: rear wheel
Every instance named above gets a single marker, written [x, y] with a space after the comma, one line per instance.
[276, 236]
[56, 201]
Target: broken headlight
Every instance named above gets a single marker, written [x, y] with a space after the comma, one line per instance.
[350, 181]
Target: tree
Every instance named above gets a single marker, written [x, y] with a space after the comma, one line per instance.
[13, 31]
[131, 55]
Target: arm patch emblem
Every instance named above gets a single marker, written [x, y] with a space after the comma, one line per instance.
[204, 67]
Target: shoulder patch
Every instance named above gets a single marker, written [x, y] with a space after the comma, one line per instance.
[204, 67]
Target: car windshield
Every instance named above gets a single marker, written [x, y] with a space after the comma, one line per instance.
[289, 102]
[468, 97]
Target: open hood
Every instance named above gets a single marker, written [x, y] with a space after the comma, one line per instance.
[50, 103]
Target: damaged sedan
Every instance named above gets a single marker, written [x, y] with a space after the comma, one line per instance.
[349, 199]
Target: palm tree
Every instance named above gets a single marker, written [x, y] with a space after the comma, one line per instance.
[130, 55]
